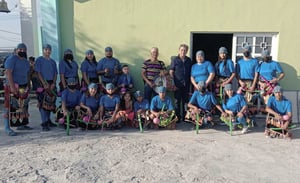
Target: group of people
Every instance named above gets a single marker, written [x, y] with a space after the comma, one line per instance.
[113, 100]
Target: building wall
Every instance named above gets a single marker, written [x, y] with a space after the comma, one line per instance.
[132, 27]
[27, 25]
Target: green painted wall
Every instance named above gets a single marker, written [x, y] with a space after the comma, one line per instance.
[132, 27]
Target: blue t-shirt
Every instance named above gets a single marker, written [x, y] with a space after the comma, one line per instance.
[111, 64]
[125, 79]
[47, 68]
[109, 104]
[201, 71]
[246, 69]
[203, 101]
[182, 71]
[223, 70]
[235, 103]
[269, 70]
[157, 104]
[282, 107]
[20, 69]
[144, 105]
[90, 68]
[71, 99]
[91, 102]
[67, 71]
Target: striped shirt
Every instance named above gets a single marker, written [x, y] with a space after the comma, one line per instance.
[153, 68]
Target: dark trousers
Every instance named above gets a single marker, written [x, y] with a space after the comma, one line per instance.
[181, 96]
[149, 92]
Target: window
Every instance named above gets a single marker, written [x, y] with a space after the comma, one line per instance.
[258, 42]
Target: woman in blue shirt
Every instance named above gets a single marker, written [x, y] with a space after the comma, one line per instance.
[203, 70]
[68, 68]
[225, 72]
[109, 108]
[89, 70]
[89, 102]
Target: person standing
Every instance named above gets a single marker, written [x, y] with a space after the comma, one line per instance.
[246, 72]
[225, 73]
[47, 73]
[109, 68]
[33, 74]
[89, 70]
[203, 70]
[17, 71]
[270, 73]
[180, 72]
[68, 68]
[151, 69]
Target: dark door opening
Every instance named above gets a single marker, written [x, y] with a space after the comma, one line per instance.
[210, 44]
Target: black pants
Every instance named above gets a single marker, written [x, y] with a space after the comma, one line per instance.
[181, 96]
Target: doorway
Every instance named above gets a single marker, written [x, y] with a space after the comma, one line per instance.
[210, 44]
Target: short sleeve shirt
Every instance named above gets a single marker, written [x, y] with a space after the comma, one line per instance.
[20, 69]
[282, 107]
[90, 68]
[201, 71]
[235, 103]
[46, 67]
[71, 99]
[203, 101]
[157, 104]
[109, 103]
[144, 105]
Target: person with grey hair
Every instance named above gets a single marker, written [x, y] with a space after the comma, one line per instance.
[203, 70]
[151, 69]
[180, 71]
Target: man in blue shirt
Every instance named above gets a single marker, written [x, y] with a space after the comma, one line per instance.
[180, 71]
[109, 67]
[246, 70]
[161, 107]
[161, 102]
[17, 73]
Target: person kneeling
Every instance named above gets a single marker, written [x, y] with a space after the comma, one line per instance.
[90, 103]
[281, 109]
[162, 110]
[201, 103]
[109, 108]
[235, 107]
[141, 110]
